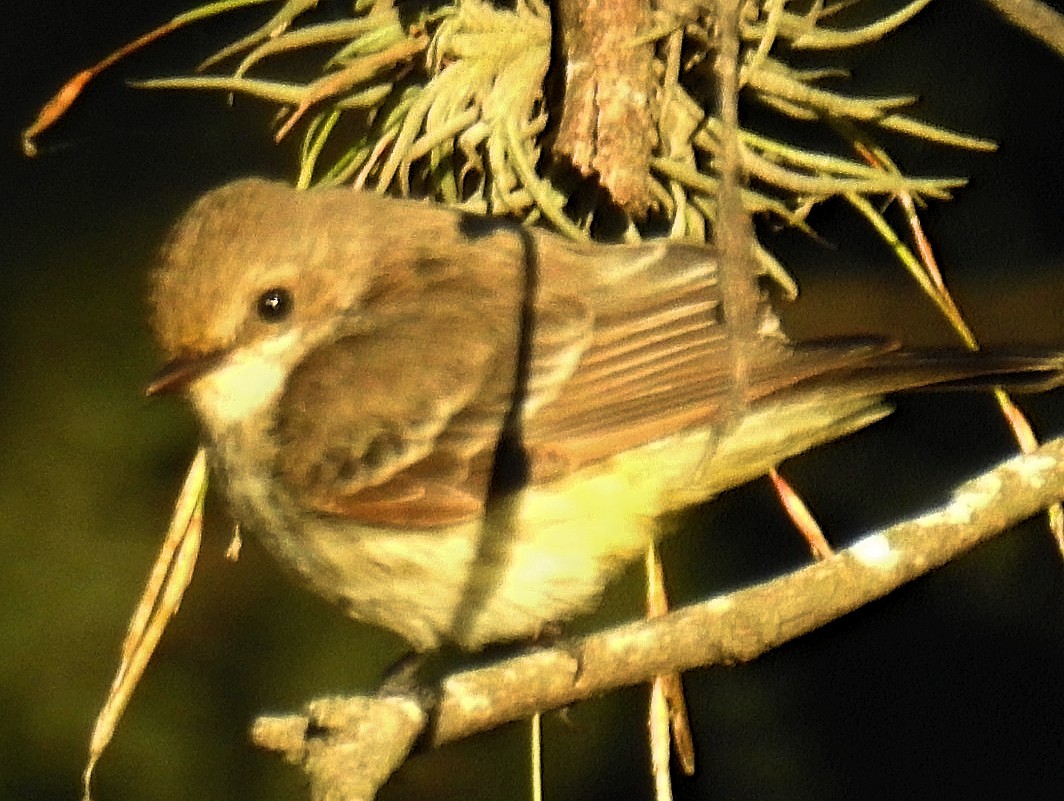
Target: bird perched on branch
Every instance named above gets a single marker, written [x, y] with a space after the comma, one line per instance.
[461, 429]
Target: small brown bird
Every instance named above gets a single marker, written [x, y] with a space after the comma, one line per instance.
[460, 429]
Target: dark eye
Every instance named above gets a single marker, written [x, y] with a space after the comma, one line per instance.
[274, 305]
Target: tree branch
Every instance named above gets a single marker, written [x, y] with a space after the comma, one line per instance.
[607, 118]
[725, 630]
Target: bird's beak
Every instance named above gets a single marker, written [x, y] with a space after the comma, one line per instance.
[182, 371]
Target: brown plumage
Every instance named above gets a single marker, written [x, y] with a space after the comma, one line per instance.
[371, 368]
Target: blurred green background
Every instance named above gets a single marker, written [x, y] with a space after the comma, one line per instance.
[952, 685]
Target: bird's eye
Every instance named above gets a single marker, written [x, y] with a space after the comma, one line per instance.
[274, 305]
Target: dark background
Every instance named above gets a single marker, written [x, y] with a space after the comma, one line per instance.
[950, 686]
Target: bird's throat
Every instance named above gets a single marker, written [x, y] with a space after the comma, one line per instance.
[246, 382]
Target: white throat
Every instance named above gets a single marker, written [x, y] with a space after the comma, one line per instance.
[248, 380]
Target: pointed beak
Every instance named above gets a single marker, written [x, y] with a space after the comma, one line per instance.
[179, 373]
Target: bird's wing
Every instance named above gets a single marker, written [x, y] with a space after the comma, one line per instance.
[660, 359]
[655, 365]
[431, 386]
[594, 367]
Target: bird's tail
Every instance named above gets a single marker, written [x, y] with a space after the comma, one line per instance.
[891, 369]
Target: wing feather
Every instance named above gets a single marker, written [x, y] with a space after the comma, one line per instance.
[621, 355]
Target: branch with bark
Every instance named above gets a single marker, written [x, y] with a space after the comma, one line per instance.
[349, 746]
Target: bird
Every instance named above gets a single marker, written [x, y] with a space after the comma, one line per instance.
[462, 429]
